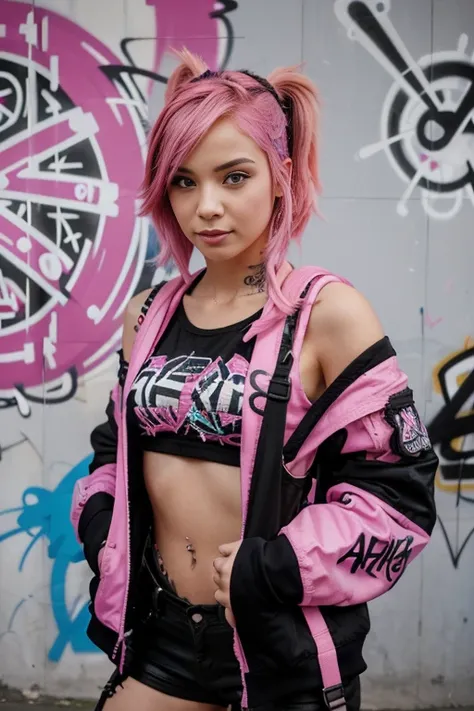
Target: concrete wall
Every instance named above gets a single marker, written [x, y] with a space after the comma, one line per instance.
[398, 219]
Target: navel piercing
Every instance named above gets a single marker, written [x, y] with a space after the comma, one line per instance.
[190, 548]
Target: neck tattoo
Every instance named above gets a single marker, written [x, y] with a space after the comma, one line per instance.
[256, 282]
[257, 279]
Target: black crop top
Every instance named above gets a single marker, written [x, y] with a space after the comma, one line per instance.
[187, 398]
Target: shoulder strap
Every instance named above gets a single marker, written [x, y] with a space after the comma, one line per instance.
[265, 486]
[305, 283]
[159, 306]
[266, 483]
[123, 364]
[148, 302]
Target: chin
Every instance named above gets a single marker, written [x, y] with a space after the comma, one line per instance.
[225, 252]
[222, 254]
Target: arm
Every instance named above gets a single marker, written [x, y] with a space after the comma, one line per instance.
[374, 509]
[93, 498]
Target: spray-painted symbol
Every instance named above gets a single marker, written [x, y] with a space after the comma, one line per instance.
[427, 127]
[45, 514]
[452, 433]
[72, 249]
[452, 429]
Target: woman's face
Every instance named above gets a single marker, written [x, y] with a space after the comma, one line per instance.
[223, 195]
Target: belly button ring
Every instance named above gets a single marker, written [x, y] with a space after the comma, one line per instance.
[190, 548]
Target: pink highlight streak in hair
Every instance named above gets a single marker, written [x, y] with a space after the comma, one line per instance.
[190, 111]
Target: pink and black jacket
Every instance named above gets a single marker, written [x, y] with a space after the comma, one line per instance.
[330, 525]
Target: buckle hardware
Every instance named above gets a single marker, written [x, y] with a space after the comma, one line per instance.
[334, 697]
[282, 391]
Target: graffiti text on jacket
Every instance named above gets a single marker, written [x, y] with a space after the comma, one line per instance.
[379, 556]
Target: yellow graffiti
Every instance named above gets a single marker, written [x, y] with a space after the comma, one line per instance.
[458, 443]
[468, 343]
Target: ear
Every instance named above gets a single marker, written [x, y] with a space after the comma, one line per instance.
[287, 166]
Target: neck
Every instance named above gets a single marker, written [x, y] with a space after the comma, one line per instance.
[228, 279]
[243, 275]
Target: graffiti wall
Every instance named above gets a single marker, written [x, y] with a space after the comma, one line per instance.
[80, 82]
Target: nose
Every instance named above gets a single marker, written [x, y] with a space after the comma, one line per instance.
[210, 204]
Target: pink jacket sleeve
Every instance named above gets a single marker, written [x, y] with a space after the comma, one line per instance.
[93, 497]
[377, 508]
[372, 513]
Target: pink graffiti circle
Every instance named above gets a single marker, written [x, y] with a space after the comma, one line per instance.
[71, 165]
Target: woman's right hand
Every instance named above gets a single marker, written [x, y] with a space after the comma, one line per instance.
[100, 556]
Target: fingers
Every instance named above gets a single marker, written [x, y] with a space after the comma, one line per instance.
[226, 549]
[219, 568]
[229, 615]
[221, 598]
[218, 564]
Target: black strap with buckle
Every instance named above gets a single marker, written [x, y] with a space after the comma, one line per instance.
[265, 490]
[334, 697]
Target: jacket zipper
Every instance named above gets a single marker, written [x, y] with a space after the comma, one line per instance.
[244, 667]
[122, 635]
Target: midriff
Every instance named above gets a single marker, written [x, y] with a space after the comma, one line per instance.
[195, 503]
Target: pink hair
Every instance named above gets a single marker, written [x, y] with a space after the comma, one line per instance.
[191, 108]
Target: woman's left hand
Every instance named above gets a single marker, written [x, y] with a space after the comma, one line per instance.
[222, 572]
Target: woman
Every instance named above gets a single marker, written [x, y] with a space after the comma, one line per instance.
[223, 577]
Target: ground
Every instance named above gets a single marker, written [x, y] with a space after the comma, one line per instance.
[53, 706]
[85, 706]
[14, 701]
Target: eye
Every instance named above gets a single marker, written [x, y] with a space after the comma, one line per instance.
[236, 178]
[182, 181]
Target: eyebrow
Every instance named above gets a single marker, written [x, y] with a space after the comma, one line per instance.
[224, 166]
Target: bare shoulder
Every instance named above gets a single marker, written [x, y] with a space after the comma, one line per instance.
[343, 324]
[132, 312]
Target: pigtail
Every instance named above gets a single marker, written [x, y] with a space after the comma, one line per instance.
[191, 66]
[300, 99]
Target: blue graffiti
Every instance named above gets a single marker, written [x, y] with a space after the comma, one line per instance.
[45, 514]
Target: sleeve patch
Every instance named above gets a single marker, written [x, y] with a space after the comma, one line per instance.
[410, 436]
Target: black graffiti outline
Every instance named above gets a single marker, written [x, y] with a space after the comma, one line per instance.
[113, 71]
[221, 14]
[47, 398]
[446, 427]
[448, 120]
[433, 72]
[455, 555]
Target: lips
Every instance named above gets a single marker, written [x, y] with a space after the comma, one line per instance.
[213, 233]
[213, 236]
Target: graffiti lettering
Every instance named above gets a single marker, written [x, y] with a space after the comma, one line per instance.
[379, 556]
[451, 427]
[451, 432]
[193, 393]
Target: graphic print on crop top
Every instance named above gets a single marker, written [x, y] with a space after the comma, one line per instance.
[187, 398]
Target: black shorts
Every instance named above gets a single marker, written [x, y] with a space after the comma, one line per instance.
[186, 651]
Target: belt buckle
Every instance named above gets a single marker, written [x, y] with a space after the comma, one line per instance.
[334, 697]
[157, 600]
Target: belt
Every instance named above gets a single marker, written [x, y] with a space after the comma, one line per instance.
[162, 599]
